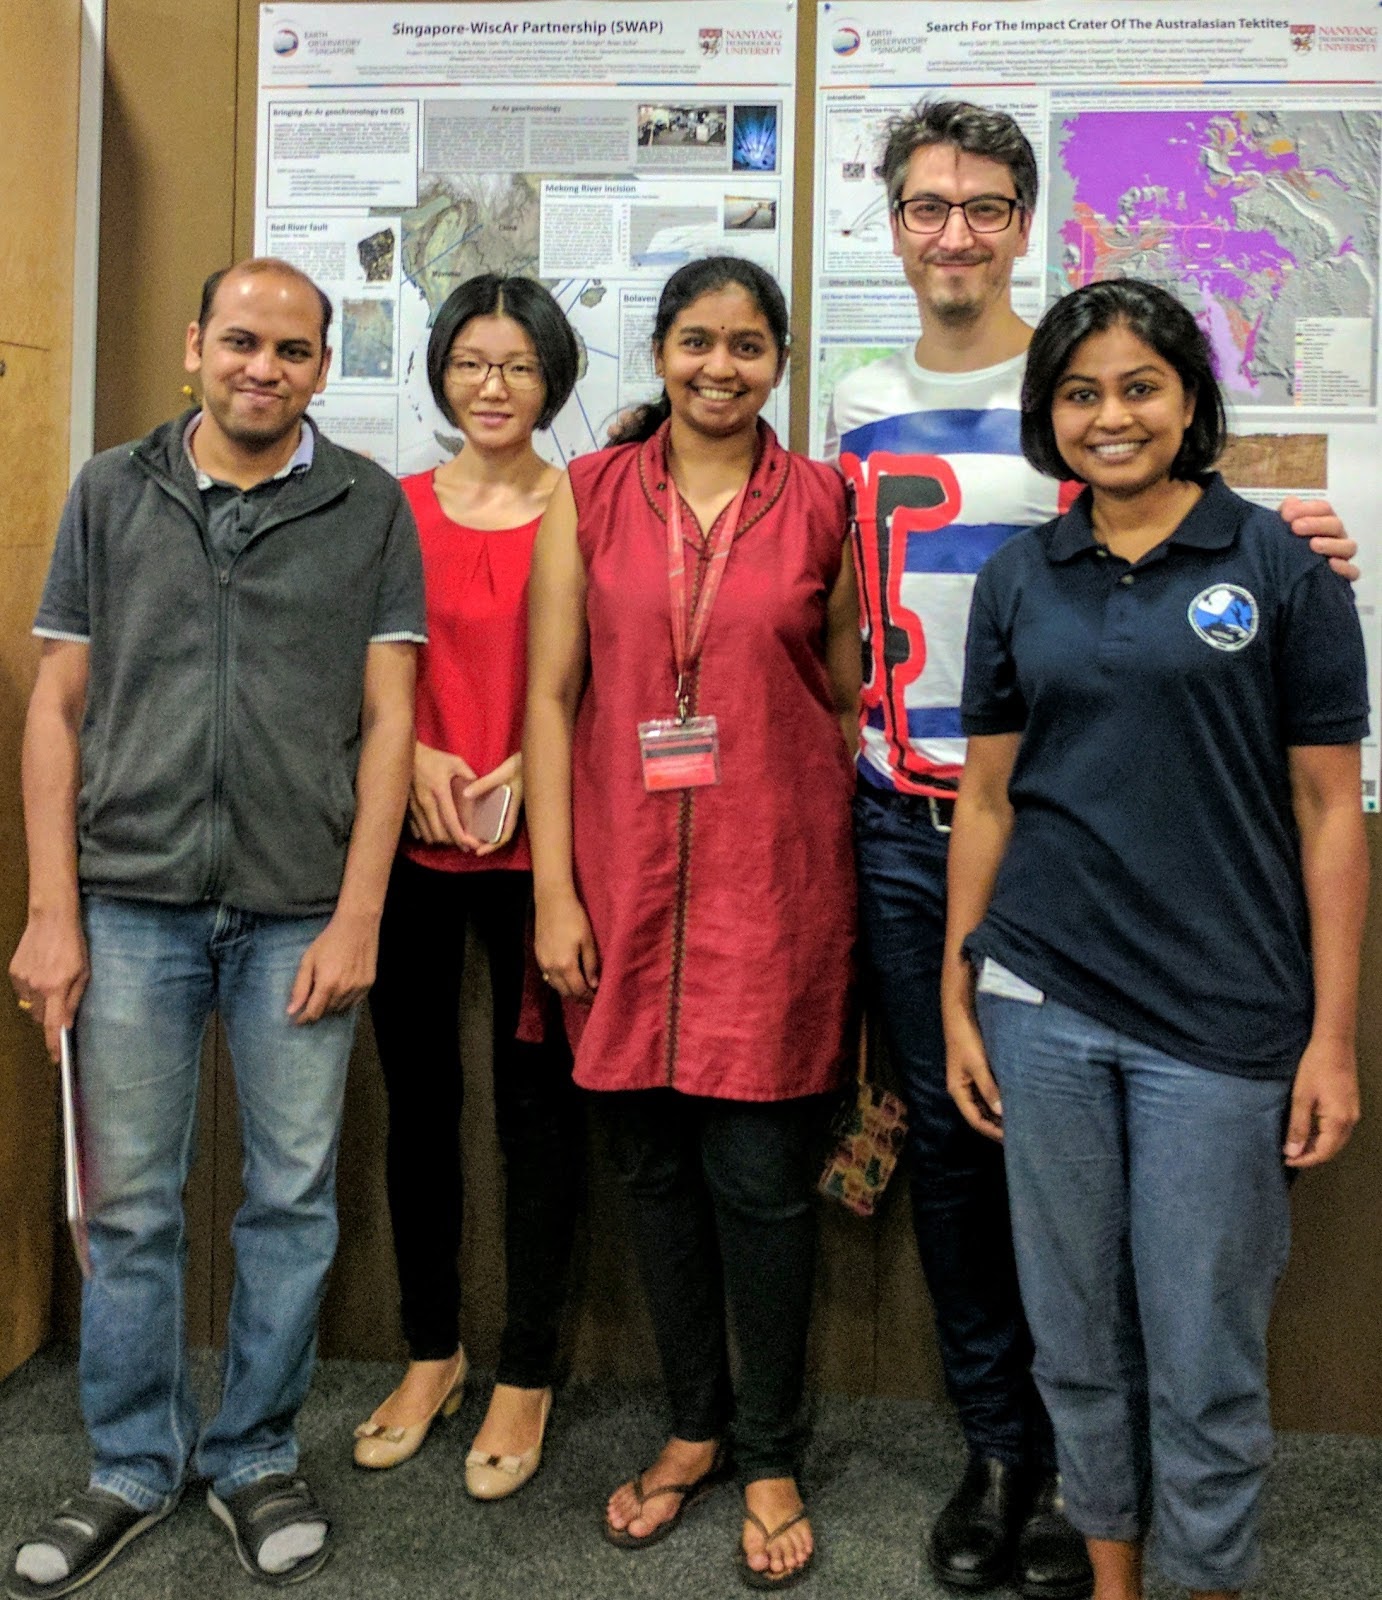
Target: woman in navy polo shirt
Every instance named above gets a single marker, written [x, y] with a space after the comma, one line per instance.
[1158, 876]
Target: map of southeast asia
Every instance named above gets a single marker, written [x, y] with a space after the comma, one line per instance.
[1256, 219]
[464, 224]
[468, 224]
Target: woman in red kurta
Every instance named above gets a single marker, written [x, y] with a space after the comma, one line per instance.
[695, 908]
[501, 361]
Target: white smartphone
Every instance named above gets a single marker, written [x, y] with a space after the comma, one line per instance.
[483, 818]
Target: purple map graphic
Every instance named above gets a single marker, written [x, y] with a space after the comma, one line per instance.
[1257, 219]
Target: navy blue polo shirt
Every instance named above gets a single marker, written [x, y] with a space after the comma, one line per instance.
[1152, 880]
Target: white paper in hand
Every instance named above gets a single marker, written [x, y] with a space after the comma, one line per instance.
[73, 1180]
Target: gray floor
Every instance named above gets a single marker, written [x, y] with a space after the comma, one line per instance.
[876, 1474]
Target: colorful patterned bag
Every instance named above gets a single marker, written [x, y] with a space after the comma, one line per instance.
[869, 1134]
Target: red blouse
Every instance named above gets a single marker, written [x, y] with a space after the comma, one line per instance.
[472, 672]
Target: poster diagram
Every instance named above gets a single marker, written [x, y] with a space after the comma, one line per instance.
[597, 149]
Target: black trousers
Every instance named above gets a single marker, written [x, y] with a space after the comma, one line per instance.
[721, 1197]
[958, 1188]
[414, 1004]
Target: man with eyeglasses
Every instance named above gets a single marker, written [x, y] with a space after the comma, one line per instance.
[928, 440]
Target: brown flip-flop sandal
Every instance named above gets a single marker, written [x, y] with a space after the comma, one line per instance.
[750, 1577]
[719, 1471]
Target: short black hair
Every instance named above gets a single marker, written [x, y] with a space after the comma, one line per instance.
[687, 284]
[1163, 324]
[261, 264]
[534, 310]
[977, 130]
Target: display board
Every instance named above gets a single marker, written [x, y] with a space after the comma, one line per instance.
[1232, 154]
[596, 147]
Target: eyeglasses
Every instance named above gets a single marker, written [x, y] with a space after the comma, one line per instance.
[986, 213]
[472, 374]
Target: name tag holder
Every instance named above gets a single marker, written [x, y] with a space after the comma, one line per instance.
[683, 752]
[679, 755]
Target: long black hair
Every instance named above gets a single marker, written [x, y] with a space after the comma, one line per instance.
[1162, 323]
[686, 285]
[533, 309]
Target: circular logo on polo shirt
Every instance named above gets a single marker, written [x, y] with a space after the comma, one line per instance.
[1224, 616]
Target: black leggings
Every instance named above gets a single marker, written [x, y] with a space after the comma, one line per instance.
[722, 1206]
[414, 1004]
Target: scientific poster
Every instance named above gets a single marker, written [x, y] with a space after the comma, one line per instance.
[1231, 153]
[593, 146]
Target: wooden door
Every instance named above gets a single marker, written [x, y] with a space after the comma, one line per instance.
[40, 47]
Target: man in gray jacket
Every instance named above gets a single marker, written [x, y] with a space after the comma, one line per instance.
[216, 763]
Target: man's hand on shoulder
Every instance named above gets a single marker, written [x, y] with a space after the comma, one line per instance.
[337, 968]
[49, 972]
[1315, 520]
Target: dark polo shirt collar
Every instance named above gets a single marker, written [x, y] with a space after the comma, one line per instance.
[1212, 523]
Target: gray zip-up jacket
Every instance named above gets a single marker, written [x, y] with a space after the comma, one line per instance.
[222, 727]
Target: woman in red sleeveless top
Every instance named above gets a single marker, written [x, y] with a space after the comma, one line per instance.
[501, 361]
[693, 660]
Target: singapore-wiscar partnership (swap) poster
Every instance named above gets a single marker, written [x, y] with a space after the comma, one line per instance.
[595, 147]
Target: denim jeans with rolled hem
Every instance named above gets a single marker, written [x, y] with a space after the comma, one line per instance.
[157, 973]
[1150, 1218]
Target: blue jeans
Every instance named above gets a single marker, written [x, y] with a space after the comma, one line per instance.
[157, 973]
[1149, 1207]
[959, 1197]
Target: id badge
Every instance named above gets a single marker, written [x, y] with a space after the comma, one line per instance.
[679, 755]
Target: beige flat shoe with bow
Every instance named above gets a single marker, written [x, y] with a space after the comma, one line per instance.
[379, 1447]
[494, 1477]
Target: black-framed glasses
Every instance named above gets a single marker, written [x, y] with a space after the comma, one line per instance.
[521, 373]
[985, 213]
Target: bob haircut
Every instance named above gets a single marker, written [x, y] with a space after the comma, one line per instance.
[533, 309]
[1164, 325]
[686, 285]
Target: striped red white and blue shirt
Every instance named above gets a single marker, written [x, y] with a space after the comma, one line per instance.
[938, 482]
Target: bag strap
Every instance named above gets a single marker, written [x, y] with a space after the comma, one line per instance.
[861, 1071]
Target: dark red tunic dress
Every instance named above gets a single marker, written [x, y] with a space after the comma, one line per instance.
[724, 915]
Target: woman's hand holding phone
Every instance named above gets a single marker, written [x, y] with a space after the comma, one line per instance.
[432, 813]
[507, 775]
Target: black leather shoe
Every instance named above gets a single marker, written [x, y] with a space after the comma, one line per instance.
[975, 1537]
[1052, 1562]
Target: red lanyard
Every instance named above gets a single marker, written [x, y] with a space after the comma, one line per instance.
[686, 652]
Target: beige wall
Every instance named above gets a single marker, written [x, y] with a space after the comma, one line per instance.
[179, 202]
